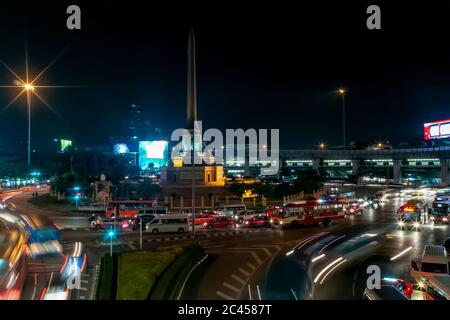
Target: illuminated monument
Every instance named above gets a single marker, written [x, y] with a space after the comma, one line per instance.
[176, 178]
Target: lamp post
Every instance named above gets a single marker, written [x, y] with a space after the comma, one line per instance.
[322, 146]
[111, 235]
[140, 234]
[28, 88]
[341, 92]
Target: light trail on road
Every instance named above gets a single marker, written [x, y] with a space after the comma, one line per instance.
[326, 268]
[401, 253]
[332, 269]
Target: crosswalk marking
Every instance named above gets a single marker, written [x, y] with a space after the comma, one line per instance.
[244, 272]
[238, 279]
[251, 266]
[223, 295]
[231, 287]
[257, 258]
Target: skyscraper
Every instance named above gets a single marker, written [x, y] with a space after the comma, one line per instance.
[136, 126]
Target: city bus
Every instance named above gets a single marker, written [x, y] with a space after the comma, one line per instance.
[414, 212]
[308, 212]
[440, 212]
[129, 208]
[43, 237]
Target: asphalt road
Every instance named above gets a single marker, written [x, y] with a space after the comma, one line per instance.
[252, 264]
[334, 265]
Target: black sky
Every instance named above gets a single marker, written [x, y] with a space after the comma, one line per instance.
[260, 65]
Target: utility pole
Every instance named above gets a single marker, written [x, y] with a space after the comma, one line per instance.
[140, 235]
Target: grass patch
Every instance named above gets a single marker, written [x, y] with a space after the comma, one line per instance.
[106, 280]
[138, 271]
[169, 283]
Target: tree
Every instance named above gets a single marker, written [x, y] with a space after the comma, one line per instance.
[66, 181]
[237, 189]
[263, 189]
[308, 182]
[147, 189]
[13, 167]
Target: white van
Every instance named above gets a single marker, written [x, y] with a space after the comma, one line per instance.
[231, 210]
[168, 223]
[434, 262]
[242, 216]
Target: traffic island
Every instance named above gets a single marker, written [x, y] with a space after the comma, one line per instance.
[149, 274]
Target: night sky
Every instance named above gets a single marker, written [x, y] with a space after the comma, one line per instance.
[262, 65]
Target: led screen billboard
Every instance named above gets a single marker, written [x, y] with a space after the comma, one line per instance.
[120, 148]
[437, 130]
[153, 154]
[65, 144]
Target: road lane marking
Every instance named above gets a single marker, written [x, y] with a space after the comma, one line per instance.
[249, 293]
[231, 287]
[251, 266]
[223, 295]
[258, 260]
[293, 293]
[238, 279]
[129, 245]
[267, 251]
[244, 272]
[259, 292]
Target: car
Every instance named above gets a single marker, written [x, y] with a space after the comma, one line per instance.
[353, 206]
[220, 222]
[446, 244]
[259, 221]
[404, 286]
[203, 217]
[108, 223]
[136, 221]
[386, 292]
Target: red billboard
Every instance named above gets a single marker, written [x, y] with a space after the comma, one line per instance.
[437, 130]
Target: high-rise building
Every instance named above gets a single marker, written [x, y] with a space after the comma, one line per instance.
[136, 126]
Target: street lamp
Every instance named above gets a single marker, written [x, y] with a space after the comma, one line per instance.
[342, 92]
[29, 85]
[111, 234]
[77, 197]
[322, 146]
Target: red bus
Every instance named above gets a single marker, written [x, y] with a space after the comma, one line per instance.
[308, 212]
[130, 208]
